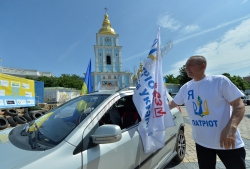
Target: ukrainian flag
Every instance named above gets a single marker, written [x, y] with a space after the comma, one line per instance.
[87, 84]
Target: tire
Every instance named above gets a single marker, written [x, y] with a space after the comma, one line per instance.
[27, 117]
[44, 111]
[20, 119]
[36, 115]
[34, 111]
[180, 147]
[3, 123]
[12, 121]
[26, 110]
[11, 112]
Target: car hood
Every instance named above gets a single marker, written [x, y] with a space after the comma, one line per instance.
[12, 156]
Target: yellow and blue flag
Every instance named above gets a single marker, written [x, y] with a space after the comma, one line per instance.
[150, 100]
[87, 84]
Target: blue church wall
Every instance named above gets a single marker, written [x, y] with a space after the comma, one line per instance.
[116, 53]
[99, 51]
[109, 68]
[101, 40]
[117, 68]
[107, 43]
[108, 51]
[98, 78]
[120, 82]
[100, 68]
[126, 80]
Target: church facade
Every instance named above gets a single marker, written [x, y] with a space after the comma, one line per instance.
[108, 60]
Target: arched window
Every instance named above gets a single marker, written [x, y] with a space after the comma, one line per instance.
[108, 59]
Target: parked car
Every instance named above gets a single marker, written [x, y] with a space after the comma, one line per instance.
[90, 131]
[246, 99]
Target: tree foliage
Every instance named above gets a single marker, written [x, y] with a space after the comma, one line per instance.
[65, 80]
[238, 81]
[171, 79]
[183, 77]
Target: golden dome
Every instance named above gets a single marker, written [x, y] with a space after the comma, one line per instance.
[140, 70]
[106, 26]
[135, 77]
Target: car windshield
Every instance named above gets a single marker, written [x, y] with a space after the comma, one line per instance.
[55, 125]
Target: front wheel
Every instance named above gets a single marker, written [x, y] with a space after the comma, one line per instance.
[180, 147]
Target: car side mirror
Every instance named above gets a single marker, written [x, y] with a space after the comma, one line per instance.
[107, 133]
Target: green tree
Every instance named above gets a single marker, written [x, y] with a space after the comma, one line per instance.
[49, 81]
[237, 81]
[227, 75]
[65, 80]
[171, 79]
[183, 77]
[70, 81]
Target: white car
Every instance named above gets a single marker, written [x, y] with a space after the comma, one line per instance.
[95, 131]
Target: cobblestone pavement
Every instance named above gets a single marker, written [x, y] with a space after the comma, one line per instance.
[190, 160]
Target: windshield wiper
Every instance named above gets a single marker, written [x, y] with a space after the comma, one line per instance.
[34, 136]
[39, 131]
[24, 131]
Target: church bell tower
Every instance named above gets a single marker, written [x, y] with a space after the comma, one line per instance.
[108, 59]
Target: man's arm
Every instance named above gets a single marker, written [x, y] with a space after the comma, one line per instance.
[172, 104]
[227, 139]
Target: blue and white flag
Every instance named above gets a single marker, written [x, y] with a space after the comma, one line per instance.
[151, 102]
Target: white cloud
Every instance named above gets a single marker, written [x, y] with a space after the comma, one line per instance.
[166, 21]
[211, 29]
[65, 54]
[175, 68]
[244, 1]
[229, 53]
[135, 56]
[190, 28]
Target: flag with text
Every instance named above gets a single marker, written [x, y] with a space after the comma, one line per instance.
[151, 102]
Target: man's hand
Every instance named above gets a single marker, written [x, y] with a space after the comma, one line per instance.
[172, 104]
[228, 134]
[227, 138]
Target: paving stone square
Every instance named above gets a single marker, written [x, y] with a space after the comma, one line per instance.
[190, 160]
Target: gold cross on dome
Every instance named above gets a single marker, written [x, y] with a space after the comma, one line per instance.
[106, 9]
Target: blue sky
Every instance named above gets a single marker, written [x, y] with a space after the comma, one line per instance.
[58, 36]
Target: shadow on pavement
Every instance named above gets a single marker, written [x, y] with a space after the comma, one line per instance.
[172, 164]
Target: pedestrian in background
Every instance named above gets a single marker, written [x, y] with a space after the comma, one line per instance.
[215, 110]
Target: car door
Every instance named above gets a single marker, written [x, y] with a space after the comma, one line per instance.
[122, 154]
[153, 159]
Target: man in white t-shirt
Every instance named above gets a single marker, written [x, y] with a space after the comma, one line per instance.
[215, 110]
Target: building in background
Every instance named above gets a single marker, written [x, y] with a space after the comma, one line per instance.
[246, 79]
[24, 72]
[108, 60]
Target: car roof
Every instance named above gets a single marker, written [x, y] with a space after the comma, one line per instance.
[110, 92]
[103, 92]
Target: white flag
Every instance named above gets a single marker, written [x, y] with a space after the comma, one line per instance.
[151, 101]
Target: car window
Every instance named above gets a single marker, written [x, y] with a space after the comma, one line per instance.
[59, 122]
[122, 113]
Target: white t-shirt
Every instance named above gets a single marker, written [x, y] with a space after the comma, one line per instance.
[208, 105]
